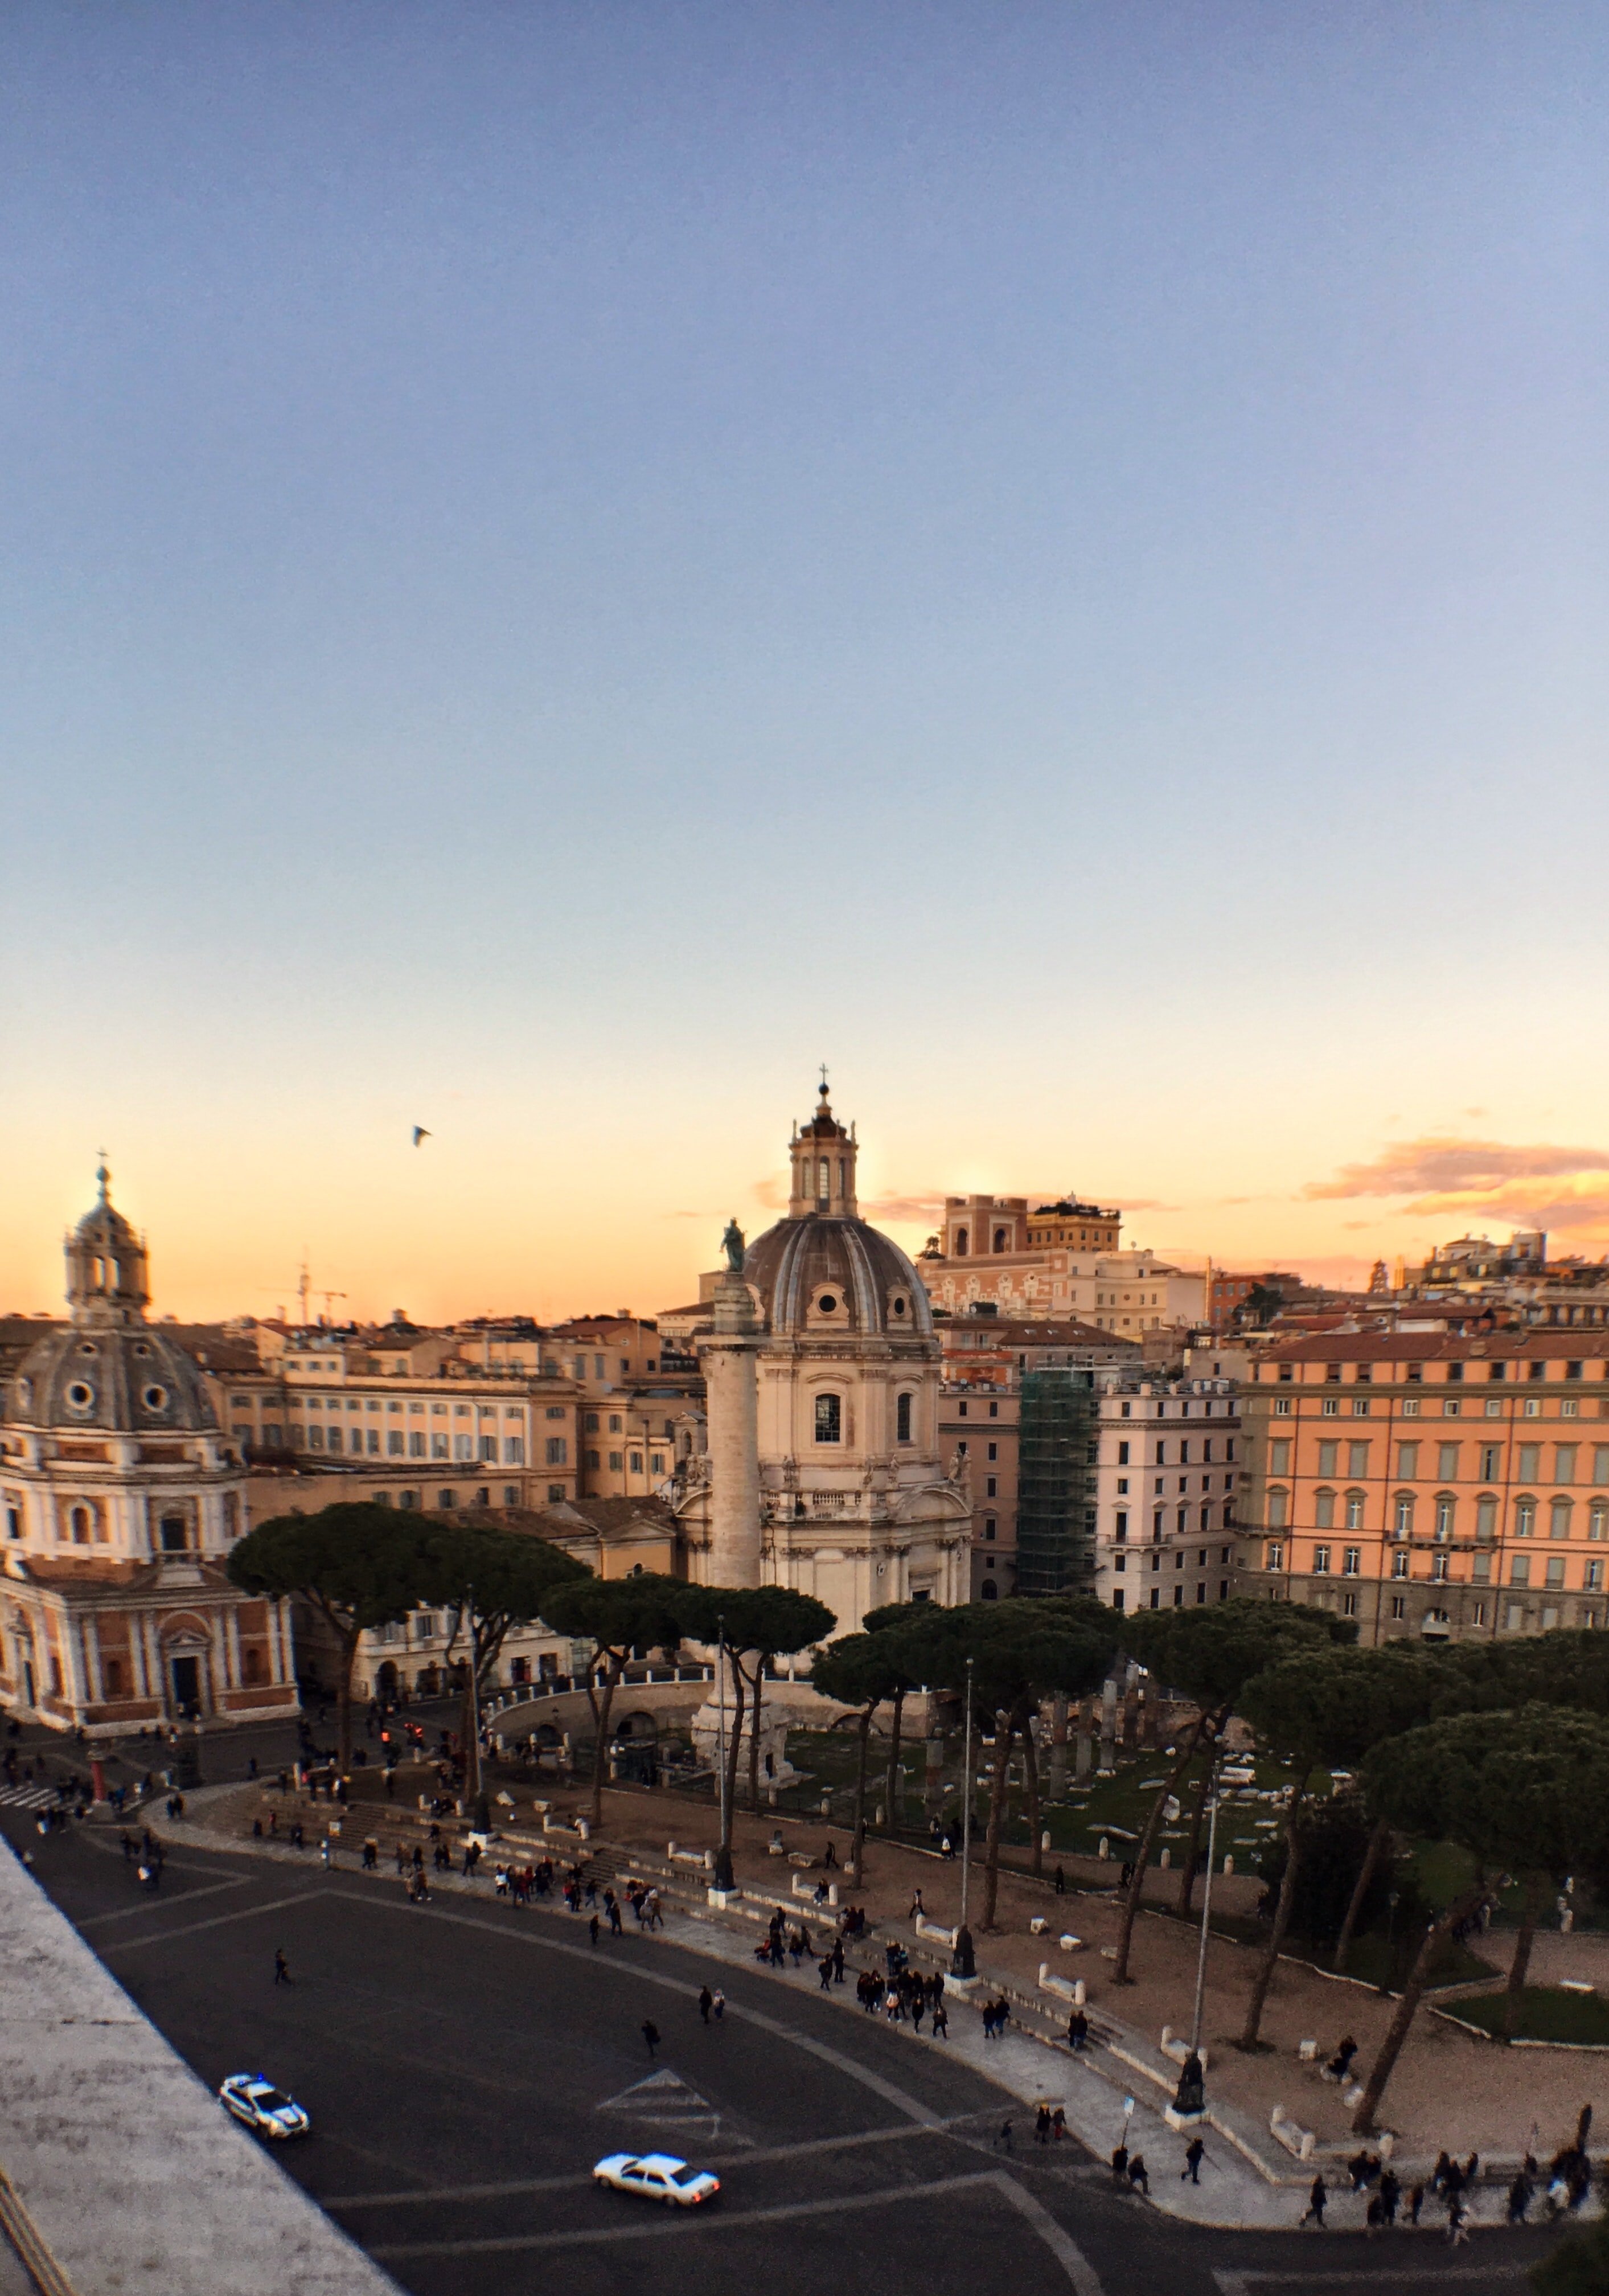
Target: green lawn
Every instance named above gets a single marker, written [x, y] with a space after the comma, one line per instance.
[1546, 2014]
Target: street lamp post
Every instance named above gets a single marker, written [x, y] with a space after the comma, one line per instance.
[966, 1803]
[722, 1856]
[1206, 1908]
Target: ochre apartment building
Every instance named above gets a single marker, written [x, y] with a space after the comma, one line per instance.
[1438, 1486]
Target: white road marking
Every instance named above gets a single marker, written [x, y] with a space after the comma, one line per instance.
[218, 1922]
[1239, 2282]
[685, 2220]
[145, 1906]
[1071, 2258]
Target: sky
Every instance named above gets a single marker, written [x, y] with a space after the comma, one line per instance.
[562, 565]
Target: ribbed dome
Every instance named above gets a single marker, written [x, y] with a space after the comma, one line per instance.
[123, 1378]
[799, 1264]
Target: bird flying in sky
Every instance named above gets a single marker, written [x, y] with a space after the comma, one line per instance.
[421, 1133]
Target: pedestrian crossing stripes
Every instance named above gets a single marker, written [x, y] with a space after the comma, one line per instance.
[27, 1797]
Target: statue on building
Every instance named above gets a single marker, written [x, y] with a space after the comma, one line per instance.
[732, 1245]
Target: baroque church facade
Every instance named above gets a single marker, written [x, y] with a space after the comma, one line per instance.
[119, 1499]
[822, 1372]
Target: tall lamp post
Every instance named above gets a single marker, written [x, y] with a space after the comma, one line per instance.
[722, 1856]
[1206, 1908]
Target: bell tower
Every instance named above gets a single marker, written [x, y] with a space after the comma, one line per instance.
[822, 1155]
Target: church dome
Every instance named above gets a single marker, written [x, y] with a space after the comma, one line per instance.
[819, 1275]
[125, 1380]
[109, 1371]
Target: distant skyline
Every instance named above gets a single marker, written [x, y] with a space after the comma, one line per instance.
[560, 566]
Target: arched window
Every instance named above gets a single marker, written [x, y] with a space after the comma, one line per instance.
[1324, 1509]
[1000, 1239]
[1524, 1518]
[81, 1521]
[829, 1419]
[1486, 1516]
[960, 1243]
[988, 1590]
[1446, 1508]
[1354, 1510]
[902, 1418]
[1558, 1519]
[1278, 1504]
[1402, 1517]
[824, 1179]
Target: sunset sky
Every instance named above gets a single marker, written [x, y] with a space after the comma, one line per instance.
[562, 565]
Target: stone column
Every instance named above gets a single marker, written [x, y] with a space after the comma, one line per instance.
[732, 1386]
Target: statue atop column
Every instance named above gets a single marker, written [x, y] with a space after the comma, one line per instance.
[732, 1245]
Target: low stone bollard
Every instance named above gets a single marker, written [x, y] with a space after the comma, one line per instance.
[1065, 1988]
[801, 1886]
[924, 1928]
[1286, 2132]
[1179, 2051]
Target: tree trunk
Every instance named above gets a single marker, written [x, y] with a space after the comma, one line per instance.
[349, 1638]
[1030, 1772]
[1005, 1732]
[894, 1792]
[759, 1678]
[1536, 1889]
[1377, 1843]
[1186, 1884]
[732, 1748]
[860, 1850]
[1391, 2048]
[470, 1724]
[1282, 1920]
[1136, 1887]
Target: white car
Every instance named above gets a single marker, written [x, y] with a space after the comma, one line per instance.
[657, 2177]
[265, 2109]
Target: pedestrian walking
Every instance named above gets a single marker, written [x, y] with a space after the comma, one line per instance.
[1391, 2193]
[593, 1929]
[917, 1908]
[1120, 2164]
[1060, 1882]
[281, 1967]
[1078, 2029]
[706, 2002]
[1317, 2202]
[1520, 2194]
[1058, 2124]
[940, 2021]
[1458, 2230]
[720, 2005]
[1042, 2124]
[825, 1969]
[1139, 2179]
[1415, 2201]
[1194, 2154]
[1003, 2138]
[651, 2034]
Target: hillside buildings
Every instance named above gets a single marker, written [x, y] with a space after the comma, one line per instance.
[1060, 1259]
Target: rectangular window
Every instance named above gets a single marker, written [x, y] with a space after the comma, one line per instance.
[1519, 1570]
[1447, 1463]
[1400, 1564]
[1410, 1405]
[1349, 1606]
[1556, 1570]
[1491, 1462]
[316, 1437]
[1486, 1517]
[1398, 1606]
[1351, 1563]
[1438, 1568]
[1592, 1576]
[1451, 1407]
[1564, 1463]
[991, 1487]
[1530, 1462]
[1276, 1560]
[558, 1451]
[1360, 1406]
[1321, 1561]
[1280, 1456]
[1480, 1568]
[1282, 1406]
[416, 1444]
[554, 1411]
[637, 1463]
[1331, 1406]
[513, 1450]
[1356, 1461]
[1408, 1461]
[1329, 1455]
[396, 1442]
[463, 1447]
[829, 1419]
[617, 1461]
[902, 1422]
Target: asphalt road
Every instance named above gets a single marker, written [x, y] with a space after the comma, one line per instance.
[464, 2064]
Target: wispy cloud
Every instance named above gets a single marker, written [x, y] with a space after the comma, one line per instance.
[1442, 1168]
[910, 1210]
